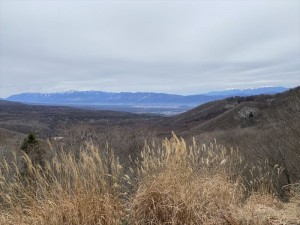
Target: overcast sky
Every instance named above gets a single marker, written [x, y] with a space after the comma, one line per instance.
[183, 47]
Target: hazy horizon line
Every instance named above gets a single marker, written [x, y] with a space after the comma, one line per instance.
[155, 92]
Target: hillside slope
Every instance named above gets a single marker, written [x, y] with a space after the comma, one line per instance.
[46, 120]
[230, 113]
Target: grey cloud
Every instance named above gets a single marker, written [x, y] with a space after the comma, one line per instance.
[181, 47]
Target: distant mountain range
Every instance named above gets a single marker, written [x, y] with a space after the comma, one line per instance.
[248, 92]
[135, 99]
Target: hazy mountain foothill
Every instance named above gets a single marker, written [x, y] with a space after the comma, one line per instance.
[137, 98]
[242, 151]
[139, 102]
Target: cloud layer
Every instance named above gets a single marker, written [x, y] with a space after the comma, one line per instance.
[182, 47]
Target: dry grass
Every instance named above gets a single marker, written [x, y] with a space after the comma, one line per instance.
[180, 185]
[265, 209]
[181, 199]
[169, 184]
[66, 191]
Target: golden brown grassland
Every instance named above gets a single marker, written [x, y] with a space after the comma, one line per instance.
[167, 184]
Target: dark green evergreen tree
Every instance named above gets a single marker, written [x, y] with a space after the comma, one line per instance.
[31, 146]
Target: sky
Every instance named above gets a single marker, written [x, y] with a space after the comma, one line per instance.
[183, 47]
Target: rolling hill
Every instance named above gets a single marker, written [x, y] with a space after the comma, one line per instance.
[229, 113]
[46, 120]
